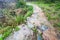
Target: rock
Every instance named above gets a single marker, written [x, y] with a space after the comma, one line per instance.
[49, 35]
[44, 27]
[23, 34]
[39, 37]
[30, 25]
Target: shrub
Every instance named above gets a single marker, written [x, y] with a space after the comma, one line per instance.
[30, 8]
[20, 3]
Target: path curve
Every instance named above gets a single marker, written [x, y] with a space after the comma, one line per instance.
[41, 19]
[37, 19]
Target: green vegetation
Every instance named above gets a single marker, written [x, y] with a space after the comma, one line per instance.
[14, 17]
[1, 37]
[19, 19]
[7, 33]
[29, 12]
[20, 3]
[57, 24]
[16, 28]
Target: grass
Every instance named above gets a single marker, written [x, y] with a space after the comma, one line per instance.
[19, 19]
[29, 12]
[17, 28]
[20, 3]
[6, 31]
[12, 20]
[1, 37]
[57, 24]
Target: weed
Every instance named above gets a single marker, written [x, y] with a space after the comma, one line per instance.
[17, 28]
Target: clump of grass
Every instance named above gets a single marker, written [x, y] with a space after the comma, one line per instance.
[30, 8]
[48, 16]
[57, 24]
[7, 33]
[29, 12]
[19, 19]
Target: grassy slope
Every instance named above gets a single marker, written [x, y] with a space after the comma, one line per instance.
[8, 29]
[52, 12]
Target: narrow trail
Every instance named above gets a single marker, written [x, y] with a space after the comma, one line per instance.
[37, 19]
[39, 15]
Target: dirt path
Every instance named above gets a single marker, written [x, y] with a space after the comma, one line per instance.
[39, 15]
[37, 19]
